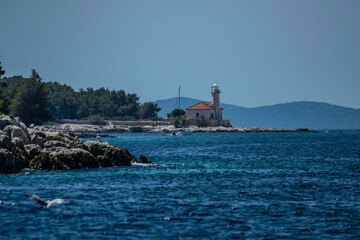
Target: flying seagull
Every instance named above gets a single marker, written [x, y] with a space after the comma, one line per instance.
[44, 203]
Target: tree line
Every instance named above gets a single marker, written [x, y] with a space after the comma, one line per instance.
[35, 101]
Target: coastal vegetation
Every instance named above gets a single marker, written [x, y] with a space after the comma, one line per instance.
[35, 101]
[30, 99]
[2, 72]
[177, 117]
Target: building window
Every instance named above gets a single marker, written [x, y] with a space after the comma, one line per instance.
[212, 115]
[197, 115]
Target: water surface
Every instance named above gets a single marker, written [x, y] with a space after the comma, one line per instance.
[204, 186]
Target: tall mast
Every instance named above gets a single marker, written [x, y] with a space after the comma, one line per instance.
[179, 98]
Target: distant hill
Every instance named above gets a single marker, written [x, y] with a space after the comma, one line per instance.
[312, 115]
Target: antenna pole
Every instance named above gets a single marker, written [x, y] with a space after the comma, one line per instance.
[179, 98]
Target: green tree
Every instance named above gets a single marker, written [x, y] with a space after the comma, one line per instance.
[176, 113]
[63, 100]
[149, 110]
[6, 92]
[30, 101]
[1, 106]
[177, 116]
[2, 97]
[2, 72]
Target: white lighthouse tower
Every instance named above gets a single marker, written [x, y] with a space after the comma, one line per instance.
[215, 91]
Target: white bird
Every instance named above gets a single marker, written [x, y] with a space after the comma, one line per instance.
[44, 203]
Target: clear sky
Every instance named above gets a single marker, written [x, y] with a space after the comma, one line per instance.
[259, 52]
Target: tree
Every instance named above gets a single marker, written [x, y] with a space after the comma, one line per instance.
[6, 92]
[177, 116]
[2, 100]
[30, 101]
[149, 110]
[176, 113]
[2, 72]
[63, 101]
[1, 106]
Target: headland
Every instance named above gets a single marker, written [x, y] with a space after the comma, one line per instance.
[149, 127]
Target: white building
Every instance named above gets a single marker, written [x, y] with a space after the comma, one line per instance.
[209, 113]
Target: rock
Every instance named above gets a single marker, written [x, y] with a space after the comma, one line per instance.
[55, 143]
[61, 158]
[53, 136]
[37, 139]
[18, 143]
[95, 147]
[39, 148]
[302, 130]
[3, 123]
[32, 125]
[8, 163]
[46, 150]
[7, 130]
[84, 158]
[14, 131]
[33, 132]
[78, 144]
[118, 156]
[5, 142]
[143, 159]
[32, 150]
[6, 120]
[56, 159]
[110, 156]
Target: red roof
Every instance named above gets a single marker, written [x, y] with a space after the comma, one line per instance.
[202, 106]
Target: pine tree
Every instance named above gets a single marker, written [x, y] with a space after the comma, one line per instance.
[30, 102]
[2, 72]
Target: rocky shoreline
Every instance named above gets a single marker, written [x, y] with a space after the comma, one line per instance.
[84, 129]
[39, 148]
[59, 147]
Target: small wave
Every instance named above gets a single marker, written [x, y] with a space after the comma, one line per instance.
[144, 164]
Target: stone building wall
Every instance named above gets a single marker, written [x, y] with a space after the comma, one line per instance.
[202, 114]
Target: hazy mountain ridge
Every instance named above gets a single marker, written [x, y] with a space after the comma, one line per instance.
[303, 114]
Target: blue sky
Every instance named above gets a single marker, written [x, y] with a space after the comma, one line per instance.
[259, 52]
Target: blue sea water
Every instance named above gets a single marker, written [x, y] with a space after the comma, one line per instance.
[203, 186]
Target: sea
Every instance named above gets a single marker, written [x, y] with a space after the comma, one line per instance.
[296, 185]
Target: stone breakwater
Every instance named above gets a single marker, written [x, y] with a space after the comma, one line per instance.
[36, 148]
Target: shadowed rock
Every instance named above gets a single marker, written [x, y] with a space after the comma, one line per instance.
[8, 162]
[143, 159]
[18, 142]
[37, 139]
[32, 150]
[55, 143]
[61, 158]
[6, 143]
[109, 156]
